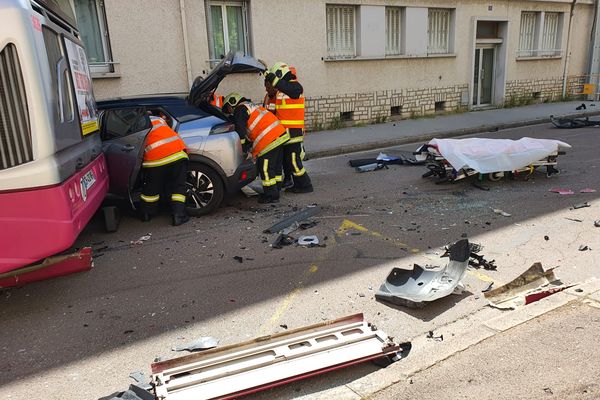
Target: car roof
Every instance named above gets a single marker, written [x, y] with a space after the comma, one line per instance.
[175, 105]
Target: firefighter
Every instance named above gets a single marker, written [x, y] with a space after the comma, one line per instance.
[216, 100]
[282, 84]
[165, 166]
[267, 136]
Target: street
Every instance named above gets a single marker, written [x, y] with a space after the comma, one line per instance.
[79, 337]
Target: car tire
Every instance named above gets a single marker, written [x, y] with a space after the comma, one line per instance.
[205, 190]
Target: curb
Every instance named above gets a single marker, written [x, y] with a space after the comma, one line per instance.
[440, 134]
[461, 335]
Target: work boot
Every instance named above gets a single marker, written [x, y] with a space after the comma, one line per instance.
[304, 189]
[262, 199]
[287, 183]
[180, 219]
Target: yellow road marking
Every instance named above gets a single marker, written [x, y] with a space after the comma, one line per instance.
[349, 225]
[479, 275]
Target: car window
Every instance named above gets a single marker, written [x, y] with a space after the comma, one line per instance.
[122, 122]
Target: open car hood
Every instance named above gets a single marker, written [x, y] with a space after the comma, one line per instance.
[232, 63]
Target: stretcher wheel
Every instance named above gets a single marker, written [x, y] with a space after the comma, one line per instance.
[495, 176]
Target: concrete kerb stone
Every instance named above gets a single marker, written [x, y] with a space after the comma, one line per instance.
[465, 333]
[438, 134]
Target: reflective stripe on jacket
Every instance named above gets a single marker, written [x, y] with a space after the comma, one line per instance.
[217, 100]
[290, 111]
[264, 130]
[163, 145]
[269, 103]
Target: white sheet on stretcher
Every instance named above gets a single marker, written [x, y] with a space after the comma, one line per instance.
[495, 155]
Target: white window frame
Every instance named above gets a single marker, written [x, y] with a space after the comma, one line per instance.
[540, 34]
[438, 41]
[223, 4]
[108, 65]
[393, 30]
[335, 33]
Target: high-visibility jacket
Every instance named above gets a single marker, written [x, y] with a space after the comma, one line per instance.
[264, 130]
[269, 103]
[217, 100]
[290, 111]
[163, 145]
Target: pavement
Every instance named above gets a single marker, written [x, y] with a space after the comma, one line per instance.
[353, 139]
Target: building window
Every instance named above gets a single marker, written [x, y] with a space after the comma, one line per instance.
[527, 36]
[540, 34]
[229, 28]
[341, 30]
[550, 45]
[91, 21]
[439, 31]
[393, 18]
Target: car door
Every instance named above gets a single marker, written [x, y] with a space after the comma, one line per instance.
[123, 133]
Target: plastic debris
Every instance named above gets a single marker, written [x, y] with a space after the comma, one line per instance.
[310, 240]
[439, 338]
[142, 239]
[500, 212]
[532, 285]
[584, 247]
[561, 191]
[282, 240]
[587, 190]
[372, 167]
[597, 223]
[297, 217]
[238, 259]
[580, 205]
[203, 343]
[139, 377]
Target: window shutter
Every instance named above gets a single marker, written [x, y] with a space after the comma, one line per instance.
[527, 37]
[439, 31]
[340, 31]
[550, 35]
[392, 30]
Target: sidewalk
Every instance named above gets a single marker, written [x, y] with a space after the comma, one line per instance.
[348, 140]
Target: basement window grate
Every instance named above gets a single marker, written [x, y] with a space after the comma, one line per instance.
[15, 130]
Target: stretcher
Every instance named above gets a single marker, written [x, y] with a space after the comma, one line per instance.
[450, 160]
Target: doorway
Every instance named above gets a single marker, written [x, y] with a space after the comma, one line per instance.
[484, 75]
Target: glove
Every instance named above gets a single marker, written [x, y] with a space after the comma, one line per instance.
[270, 77]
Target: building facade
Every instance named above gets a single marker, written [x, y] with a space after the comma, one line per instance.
[360, 61]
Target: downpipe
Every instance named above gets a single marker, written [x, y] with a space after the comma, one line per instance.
[186, 44]
[568, 50]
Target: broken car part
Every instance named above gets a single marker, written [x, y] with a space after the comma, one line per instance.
[283, 240]
[266, 362]
[572, 123]
[134, 392]
[51, 267]
[439, 338]
[580, 205]
[530, 286]
[597, 223]
[416, 287]
[310, 240]
[372, 167]
[203, 343]
[297, 217]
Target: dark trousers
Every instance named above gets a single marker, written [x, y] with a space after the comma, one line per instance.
[292, 165]
[168, 179]
[269, 168]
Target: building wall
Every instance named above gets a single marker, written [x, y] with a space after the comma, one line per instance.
[147, 40]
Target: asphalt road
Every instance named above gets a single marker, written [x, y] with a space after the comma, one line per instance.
[79, 337]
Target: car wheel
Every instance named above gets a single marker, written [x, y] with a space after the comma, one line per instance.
[205, 190]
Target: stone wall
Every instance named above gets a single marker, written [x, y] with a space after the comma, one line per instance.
[369, 107]
[543, 90]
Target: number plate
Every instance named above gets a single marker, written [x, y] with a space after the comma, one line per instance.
[87, 181]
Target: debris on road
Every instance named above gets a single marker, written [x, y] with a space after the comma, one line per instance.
[439, 338]
[475, 259]
[481, 187]
[488, 288]
[133, 393]
[238, 259]
[572, 123]
[309, 241]
[500, 212]
[580, 205]
[297, 217]
[584, 247]
[415, 288]
[372, 167]
[50, 267]
[203, 343]
[273, 360]
[142, 239]
[561, 191]
[597, 223]
[283, 240]
[574, 219]
[546, 238]
[139, 377]
[587, 190]
[532, 285]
